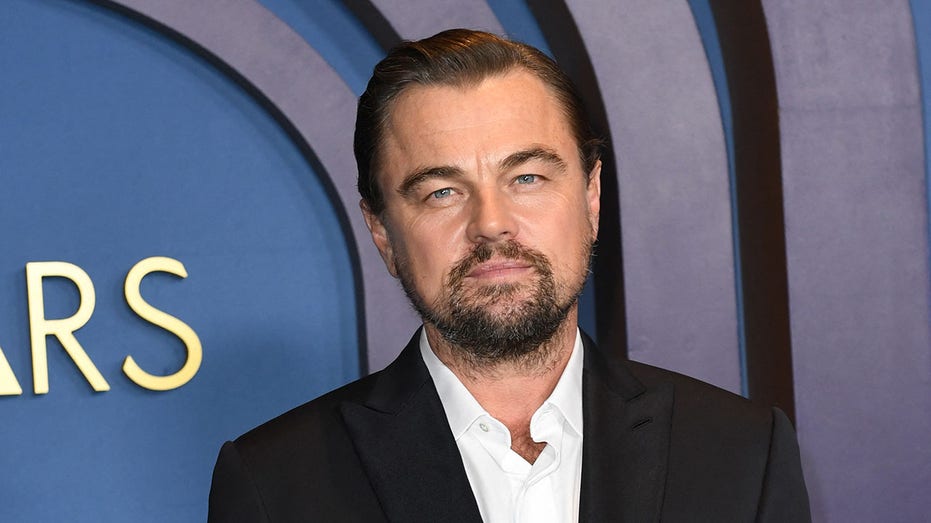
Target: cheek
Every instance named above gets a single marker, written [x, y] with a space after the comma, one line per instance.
[429, 249]
[429, 233]
[575, 224]
[571, 237]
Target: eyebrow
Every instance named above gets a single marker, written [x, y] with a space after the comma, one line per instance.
[543, 154]
[419, 176]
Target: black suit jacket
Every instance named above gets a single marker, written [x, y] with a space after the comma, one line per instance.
[657, 446]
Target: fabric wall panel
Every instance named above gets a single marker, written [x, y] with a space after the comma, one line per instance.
[417, 19]
[673, 185]
[857, 254]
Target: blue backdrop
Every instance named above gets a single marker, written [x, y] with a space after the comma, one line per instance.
[117, 144]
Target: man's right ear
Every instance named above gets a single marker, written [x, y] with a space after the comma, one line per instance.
[380, 236]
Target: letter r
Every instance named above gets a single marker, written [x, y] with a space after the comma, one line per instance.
[63, 329]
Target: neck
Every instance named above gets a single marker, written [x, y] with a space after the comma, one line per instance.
[511, 391]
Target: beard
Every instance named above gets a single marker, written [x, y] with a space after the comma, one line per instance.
[492, 323]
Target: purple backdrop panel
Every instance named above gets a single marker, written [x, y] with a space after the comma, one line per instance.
[284, 68]
[673, 184]
[857, 254]
[421, 18]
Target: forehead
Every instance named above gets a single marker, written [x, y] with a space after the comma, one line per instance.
[495, 117]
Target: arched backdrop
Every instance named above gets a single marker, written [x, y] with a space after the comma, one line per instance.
[765, 224]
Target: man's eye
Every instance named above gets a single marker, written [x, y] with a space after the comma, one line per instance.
[526, 178]
[441, 193]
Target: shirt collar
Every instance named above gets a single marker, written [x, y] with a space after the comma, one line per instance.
[567, 395]
[462, 409]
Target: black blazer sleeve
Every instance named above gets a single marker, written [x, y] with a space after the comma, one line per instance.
[784, 496]
[233, 496]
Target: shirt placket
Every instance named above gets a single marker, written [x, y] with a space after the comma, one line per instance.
[545, 427]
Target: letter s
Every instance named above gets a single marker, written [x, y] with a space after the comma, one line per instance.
[163, 320]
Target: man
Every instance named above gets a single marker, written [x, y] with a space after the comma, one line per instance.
[480, 185]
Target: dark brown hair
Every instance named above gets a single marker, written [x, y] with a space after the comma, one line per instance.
[457, 57]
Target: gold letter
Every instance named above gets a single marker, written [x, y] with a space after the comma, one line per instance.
[8, 384]
[163, 320]
[63, 329]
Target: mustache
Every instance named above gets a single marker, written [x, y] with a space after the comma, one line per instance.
[510, 249]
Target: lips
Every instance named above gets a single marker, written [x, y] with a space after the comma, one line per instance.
[497, 261]
[499, 268]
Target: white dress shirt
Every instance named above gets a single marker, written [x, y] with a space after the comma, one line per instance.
[506, 487]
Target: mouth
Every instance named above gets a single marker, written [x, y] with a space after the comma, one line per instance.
[506, 263]
[500, 269]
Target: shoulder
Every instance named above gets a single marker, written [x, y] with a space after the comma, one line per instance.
[315, 420]
[319, 425]
[692, 404]
[725, 452]
[321, 418]
[694, 398]
[304, 461]
[301, 462]
[712, 428]
[701, 417]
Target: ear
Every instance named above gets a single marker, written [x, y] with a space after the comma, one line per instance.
[593, 193]
[379, 236]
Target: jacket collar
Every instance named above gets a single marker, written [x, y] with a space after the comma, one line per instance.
[626, 443]
[404, 443]
[410, 456]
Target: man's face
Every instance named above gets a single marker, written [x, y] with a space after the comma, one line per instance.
[489, 218]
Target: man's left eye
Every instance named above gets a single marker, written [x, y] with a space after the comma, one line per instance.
[526, 178]
[442, 193]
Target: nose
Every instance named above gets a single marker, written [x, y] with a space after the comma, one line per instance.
[492, 218]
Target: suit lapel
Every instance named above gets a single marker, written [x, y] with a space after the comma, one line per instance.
[406, 448]
[626, 442]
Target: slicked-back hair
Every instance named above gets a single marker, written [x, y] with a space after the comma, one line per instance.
[459, 58]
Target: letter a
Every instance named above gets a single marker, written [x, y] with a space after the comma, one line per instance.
[8, 384]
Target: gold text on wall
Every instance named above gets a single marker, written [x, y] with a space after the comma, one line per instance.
[64, 328]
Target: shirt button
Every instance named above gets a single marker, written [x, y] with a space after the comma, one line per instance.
[483, 427]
